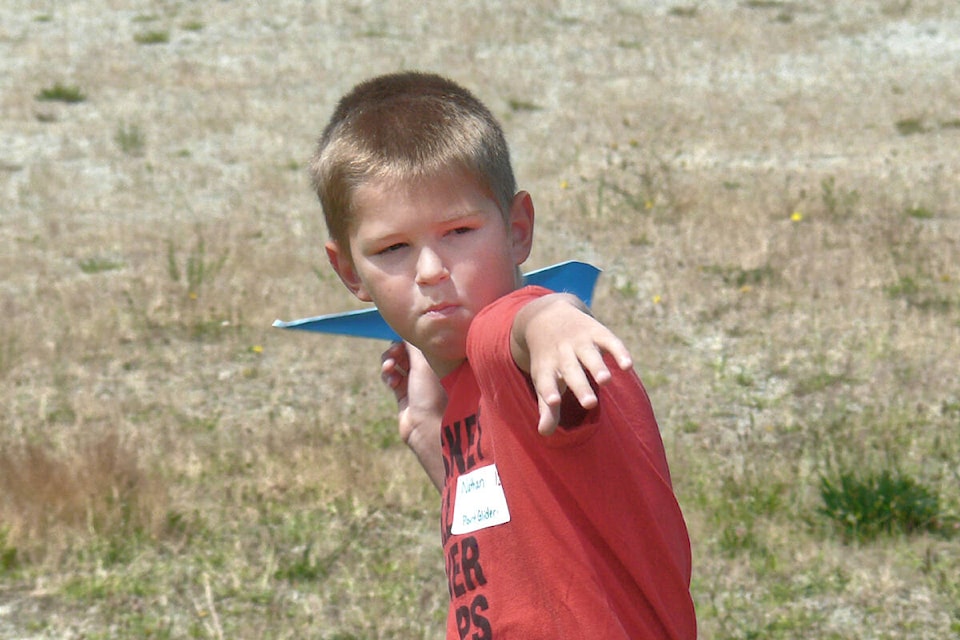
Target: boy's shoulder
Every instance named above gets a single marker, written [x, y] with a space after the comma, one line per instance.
[506, 306]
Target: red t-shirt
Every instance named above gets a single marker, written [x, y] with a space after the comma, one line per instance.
[577, 535]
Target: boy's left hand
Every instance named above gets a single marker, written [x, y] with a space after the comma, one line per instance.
[561, 346]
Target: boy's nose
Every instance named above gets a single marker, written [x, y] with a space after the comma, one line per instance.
[430, 267]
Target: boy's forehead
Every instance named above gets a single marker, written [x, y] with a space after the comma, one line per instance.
[445, 195]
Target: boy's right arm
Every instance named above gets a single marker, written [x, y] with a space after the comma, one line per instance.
[421, 401]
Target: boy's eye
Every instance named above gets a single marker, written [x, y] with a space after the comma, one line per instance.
[461, 230]
[394, 247]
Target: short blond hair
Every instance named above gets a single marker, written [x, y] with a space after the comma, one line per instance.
[403, 127]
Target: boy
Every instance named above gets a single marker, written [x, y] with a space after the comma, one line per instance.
[558, 516]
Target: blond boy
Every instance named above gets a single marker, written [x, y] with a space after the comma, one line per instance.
[558, 516]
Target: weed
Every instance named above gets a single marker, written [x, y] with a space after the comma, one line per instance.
[738, 277]
[8, 554]
[192, 25]
[130, 139]
[867, 505]
[99, 264]
[523, 105]
[684, 11]
[896, 8]
[910, 126]
[626, 288]
[764, 4]
[306, 567]
[918, 212]
[817, 382]
[374, 33]
[921, 293]
[152, 37]
[197, 270]
[613, 202]
[837, 202]
[69, 94]
[9, 351]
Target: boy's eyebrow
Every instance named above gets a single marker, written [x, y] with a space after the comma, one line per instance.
[460, 215]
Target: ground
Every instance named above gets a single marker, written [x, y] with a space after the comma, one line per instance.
[772, 189]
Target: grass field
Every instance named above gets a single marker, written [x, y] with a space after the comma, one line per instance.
[772, 189]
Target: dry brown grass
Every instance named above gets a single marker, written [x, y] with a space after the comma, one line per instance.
[170, 466]
[97, 489]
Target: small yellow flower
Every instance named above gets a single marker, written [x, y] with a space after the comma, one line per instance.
[796, 216]
[193, 295]
[648, 204]
[746, 289]
[256, 348]
[657, 299]
[564, 184]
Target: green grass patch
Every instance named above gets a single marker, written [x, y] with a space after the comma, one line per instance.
[817, 382]
[865, 505]
[764, 4]
[738, 277]
[838, 202]
[131, 139]
[918, 212]
[920, 292]
[69, 94]
[9, 555]
[98, 264]
[910, 126]
[523, 105]
[684, 11]
[152, 37]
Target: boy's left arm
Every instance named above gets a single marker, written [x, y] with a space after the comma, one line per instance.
[556, 340]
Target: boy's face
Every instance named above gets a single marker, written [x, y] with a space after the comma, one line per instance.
[431, 255]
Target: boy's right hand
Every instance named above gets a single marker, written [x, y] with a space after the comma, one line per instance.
[421, 402]
[561, 345]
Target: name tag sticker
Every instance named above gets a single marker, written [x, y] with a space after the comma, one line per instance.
[480, 502]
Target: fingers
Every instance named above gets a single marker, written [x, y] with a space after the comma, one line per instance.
[548, 387]
[549, 416]
[579, 370]
[614, 346]
[394, 367]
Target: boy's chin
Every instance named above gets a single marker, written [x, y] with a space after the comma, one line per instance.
[443, 355]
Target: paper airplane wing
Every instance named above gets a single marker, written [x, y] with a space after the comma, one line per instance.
[578, 278]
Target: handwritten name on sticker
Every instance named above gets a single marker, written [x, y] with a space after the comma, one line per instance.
[480, 501]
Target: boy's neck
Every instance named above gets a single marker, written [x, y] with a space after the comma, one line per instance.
[445, 367]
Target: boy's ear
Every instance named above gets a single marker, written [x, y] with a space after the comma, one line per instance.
[521, 226]
[342, 263]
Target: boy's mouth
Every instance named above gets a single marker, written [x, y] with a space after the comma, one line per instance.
[443, 309]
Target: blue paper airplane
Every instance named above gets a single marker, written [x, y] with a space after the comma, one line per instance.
[572, 276]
